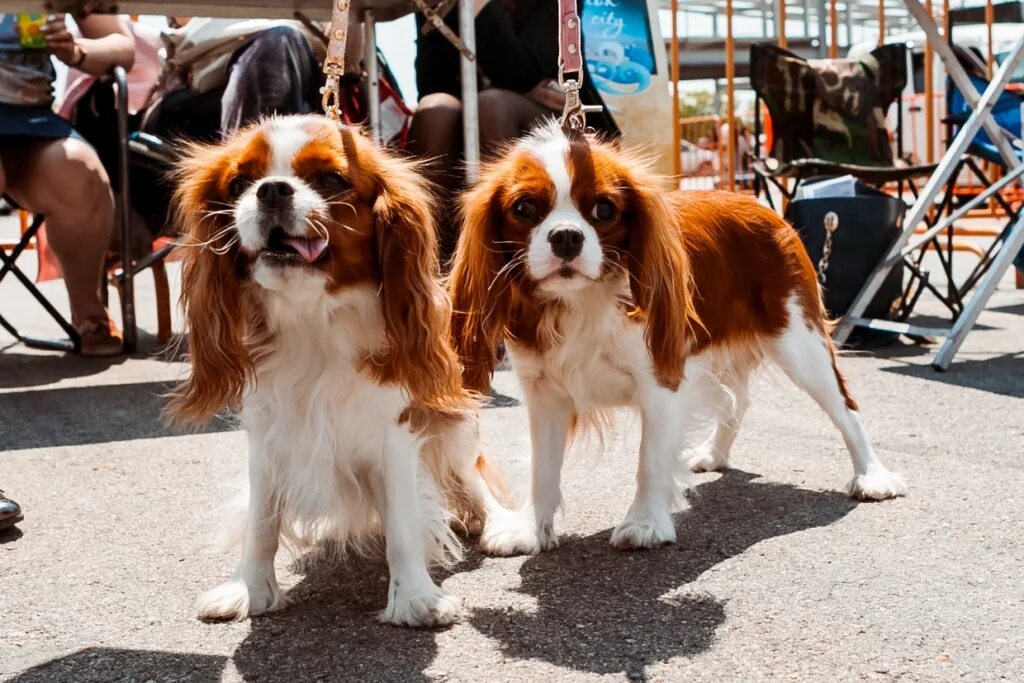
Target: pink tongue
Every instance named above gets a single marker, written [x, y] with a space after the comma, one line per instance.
[309, 249]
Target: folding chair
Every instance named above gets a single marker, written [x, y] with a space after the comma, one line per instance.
[8, 260]
[828, 118]
[972, 296]
[9, 266]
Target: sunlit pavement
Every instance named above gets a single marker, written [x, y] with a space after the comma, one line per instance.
[776, 574]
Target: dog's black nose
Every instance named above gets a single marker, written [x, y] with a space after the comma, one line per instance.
[566, 243]
[274, 194]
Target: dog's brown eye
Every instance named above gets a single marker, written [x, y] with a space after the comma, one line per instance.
[238, 186]
[603, 210]
[330, 184]
[525, 209]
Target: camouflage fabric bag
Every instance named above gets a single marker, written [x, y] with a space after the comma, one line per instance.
[829, 109]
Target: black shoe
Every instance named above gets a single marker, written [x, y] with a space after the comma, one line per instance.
[10, 512]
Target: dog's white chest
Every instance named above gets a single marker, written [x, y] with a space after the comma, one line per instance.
[594, 362]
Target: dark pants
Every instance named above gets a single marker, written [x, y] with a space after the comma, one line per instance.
[274, 73]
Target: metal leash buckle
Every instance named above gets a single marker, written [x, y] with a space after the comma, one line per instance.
[331, 92]
[574, 112]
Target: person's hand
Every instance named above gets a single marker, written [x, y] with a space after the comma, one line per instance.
[548, 94]
[59, 40]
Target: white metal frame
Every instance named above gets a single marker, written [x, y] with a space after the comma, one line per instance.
[980, 118]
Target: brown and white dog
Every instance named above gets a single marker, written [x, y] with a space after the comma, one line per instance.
[313, 303]
[610, 291]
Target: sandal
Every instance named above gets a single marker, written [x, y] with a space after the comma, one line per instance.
[99, 338]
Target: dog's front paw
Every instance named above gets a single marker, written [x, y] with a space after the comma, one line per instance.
[424, 606]
[517, 533]
[877, 484]
[650, 532]
[235, 600]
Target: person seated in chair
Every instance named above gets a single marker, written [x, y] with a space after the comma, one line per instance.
[221, 74]
[47, 168]
[517, 56]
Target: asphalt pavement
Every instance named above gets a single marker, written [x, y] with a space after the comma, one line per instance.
[776, 575]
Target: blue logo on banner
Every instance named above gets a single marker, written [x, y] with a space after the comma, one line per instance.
[620, 45]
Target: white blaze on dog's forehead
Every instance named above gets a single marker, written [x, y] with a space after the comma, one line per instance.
[286, 137]
[551, 148]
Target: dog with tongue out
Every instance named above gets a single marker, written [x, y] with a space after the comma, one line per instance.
[314, 305]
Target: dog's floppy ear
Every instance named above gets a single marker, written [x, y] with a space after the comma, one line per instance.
[211, 294]
[480, 295]
[659, 277]
[416, 307]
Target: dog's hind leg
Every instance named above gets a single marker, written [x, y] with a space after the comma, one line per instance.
[806, 354]
[729, 401]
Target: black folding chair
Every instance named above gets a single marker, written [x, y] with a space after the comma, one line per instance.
[119, 79]
[828, 118]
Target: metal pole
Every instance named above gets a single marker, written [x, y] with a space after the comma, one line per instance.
[470, 109]
[780, 23]
[989, 18]
[833, 26]
[881, 23]
[372, 75]
[730, 114]
[124, 208]
[848, 23]
[822, 30]
[677, 161]
[929, 94]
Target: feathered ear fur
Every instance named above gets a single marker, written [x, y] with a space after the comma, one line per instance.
[480, 297]
[416, 307]
[659, 278]
[211, 294]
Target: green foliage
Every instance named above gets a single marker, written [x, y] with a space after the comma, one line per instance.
[697, 103]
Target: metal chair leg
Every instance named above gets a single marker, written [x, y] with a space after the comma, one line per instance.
[127, 288]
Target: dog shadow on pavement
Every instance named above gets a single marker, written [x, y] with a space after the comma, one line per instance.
[329, 631]
[598, 610]
[604, 611]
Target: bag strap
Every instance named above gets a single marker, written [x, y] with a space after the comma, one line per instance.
[334, 63]
[435, 19]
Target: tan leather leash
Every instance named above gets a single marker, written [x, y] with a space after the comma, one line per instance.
[435, 21]
[571, 68]
[334, 62]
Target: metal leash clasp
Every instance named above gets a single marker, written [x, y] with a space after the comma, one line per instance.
[574, 112]
[331, 91]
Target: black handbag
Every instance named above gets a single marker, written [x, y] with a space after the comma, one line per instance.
[856, 232]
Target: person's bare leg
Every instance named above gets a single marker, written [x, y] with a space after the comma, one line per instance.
[436, 137]
[505, 115]
[65, 180]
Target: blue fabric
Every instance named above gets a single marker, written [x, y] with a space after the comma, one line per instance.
[1006, 110]
[1006, 113]
[20, 122]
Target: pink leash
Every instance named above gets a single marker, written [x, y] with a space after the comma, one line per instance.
[570, 64]
[570, 67]
[334, 63]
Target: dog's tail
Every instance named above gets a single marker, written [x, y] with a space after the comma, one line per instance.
[462, 471]
[495, 480]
